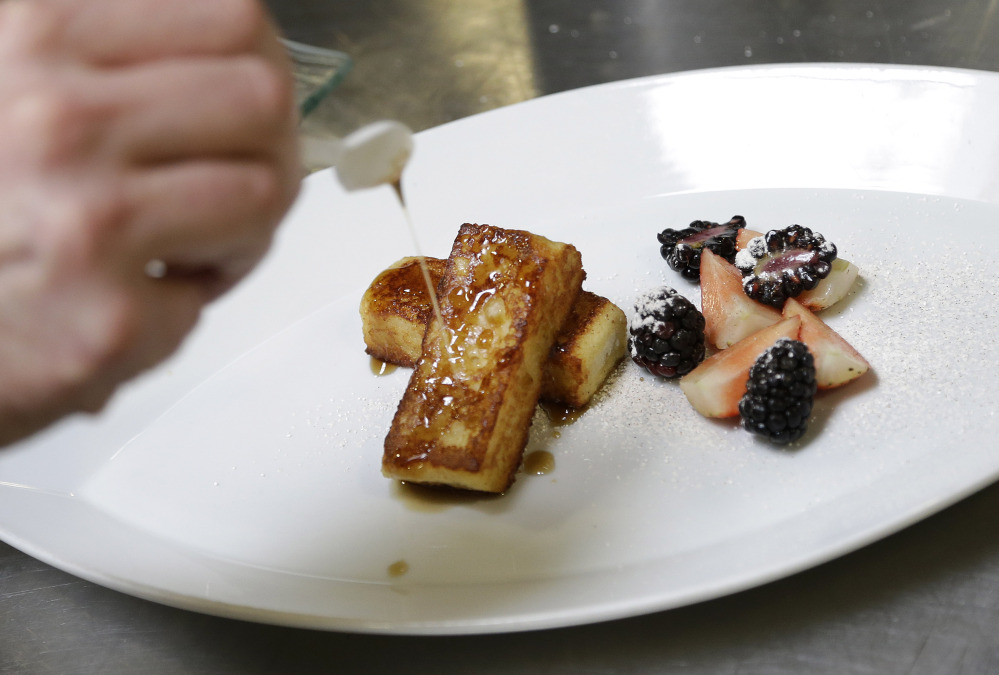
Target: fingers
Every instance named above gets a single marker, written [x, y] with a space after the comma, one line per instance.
[120, 32]
[208, 221]
[166, 312]
[238, 103]
[128, 331]
[218, 111]
[78, 341]
[195, 165]
[231, 106]
[133, 130]
[206, 108]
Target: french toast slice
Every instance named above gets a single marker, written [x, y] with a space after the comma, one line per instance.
[464, 418]
[396, 307]
[591, 343]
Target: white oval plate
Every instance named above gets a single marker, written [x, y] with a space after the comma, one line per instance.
[242, 477]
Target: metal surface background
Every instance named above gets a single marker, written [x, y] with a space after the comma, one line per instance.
[925, 600]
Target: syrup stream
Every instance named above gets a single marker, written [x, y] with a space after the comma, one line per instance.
[397, 186]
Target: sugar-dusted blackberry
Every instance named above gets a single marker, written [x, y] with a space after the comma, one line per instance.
[666, 333]
[780, 392]
[784, 263]
[682, 248]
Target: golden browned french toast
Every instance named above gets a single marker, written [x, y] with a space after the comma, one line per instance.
[396, 307]
[592, 341]
[464, 418]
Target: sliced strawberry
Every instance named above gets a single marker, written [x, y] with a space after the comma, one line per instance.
[833, 288]
[729, 314]
[836, 361]
[716, 385]
[744, 236]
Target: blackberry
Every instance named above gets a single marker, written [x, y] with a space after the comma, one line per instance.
[783, 263]
[666, 334]
[682, 248]
[780, 391]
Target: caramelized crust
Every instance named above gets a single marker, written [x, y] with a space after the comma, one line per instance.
[395, 310]
[396, 307]
[592, 341]
[465, 415]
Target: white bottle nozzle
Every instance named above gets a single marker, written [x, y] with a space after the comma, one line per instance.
[373, 155]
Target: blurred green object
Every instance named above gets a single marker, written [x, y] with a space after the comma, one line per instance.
[317, 72]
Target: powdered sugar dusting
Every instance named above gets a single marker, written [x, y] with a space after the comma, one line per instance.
[650, 306]
[744, 259]
[931, 344]
[638, 421]
[747, 257]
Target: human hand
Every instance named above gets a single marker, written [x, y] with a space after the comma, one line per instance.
[130, 131]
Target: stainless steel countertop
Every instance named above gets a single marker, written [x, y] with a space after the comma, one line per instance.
[925, 600]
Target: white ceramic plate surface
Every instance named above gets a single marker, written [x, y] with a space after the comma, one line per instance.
[242, 477]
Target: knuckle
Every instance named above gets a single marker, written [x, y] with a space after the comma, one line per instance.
[56, 123]
[274, 190]
[268, 189]
[272, 92]
[116, 332]
[103, 339]
[80, 229]
[31, 27]
[126, 334]
[95, 399]
[246, 22]
[99, 214]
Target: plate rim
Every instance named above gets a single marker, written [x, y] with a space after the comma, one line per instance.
[309, 621]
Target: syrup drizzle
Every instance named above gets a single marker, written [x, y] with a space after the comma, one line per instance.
[398, 568]
[539, 463]
[397, 187]
[561, 415]
[434, 499]
[381, 368]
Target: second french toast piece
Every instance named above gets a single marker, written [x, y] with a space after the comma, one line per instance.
[395, 310]
[591, 343]
[464, 418]
[396, 307]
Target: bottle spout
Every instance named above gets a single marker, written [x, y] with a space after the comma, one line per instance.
[373, 155]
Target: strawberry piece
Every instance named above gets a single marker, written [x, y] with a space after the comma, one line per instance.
[833, 288]
[729, 314]
[836, 361]
[744, 236]
[715, 387]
